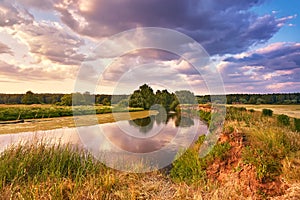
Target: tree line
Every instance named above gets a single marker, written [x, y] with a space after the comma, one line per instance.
[276, 98]
[160, 97]
[60, 99]
[145, 98]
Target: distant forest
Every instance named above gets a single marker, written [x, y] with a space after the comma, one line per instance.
[59, 99]
[66, 99]
[290, 98]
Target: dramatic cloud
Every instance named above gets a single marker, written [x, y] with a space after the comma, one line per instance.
[220, 26]
[270, 68]
[51, 41]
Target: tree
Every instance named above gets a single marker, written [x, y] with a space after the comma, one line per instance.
[185, 97]
[106, 102]
[30, 98]
[143, 98]
[66, 100]
[165, 99]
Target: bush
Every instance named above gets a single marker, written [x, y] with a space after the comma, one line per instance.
[297, 124]
[242, 109]
[267, 112]
[189, 168]
[267, 167]
[283, 120]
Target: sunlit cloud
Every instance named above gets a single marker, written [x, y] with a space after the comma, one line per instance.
[44, 41]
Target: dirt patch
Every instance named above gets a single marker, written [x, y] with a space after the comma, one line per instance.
[233, 174]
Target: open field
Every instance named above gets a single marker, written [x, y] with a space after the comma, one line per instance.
[290, 110]
[60, 122]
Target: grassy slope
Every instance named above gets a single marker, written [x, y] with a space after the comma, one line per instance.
[255, 158]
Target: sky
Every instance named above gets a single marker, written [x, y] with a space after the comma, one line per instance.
[58, 46]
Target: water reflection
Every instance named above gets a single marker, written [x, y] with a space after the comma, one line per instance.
[155, 139]
[153, 133]
[145, 125]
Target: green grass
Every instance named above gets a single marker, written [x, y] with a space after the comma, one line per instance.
[43, 172]
[270, 140]
[15, 112]
[27, 165]
[190, 168]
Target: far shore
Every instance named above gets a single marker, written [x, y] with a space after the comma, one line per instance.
[32, 125]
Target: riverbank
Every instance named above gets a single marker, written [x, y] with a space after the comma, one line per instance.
[32, 125]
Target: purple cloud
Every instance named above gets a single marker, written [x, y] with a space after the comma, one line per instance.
[278, 56]
[10, 15]
[267, 69]
[220, 26]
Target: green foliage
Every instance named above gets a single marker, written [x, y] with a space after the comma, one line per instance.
[291, 98]
[267, 166]
[123, 103]
[66, 100]
[167, 100]
[185, 97]
[142, 98]
[297, 124]
[189, 167]
[174, 105]
[22, 164]
[267, 112]
[283, 120]
[30, 98]
[238, 114]
[219, 151]
[206, 116]
[106, 102]
[145, 98]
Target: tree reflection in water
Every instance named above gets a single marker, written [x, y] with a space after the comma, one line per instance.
[146, 124]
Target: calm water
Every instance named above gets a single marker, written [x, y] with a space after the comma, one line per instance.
[157, 139]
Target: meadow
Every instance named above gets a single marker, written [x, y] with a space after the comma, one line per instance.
[290, 110]
[37, 111]
[257, 157]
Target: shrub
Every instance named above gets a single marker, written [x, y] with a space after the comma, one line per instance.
[242, 109]
[283, 120]
[297, 124]
[267, 112]
[206, 116]
[189, 167]
[267, 167]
